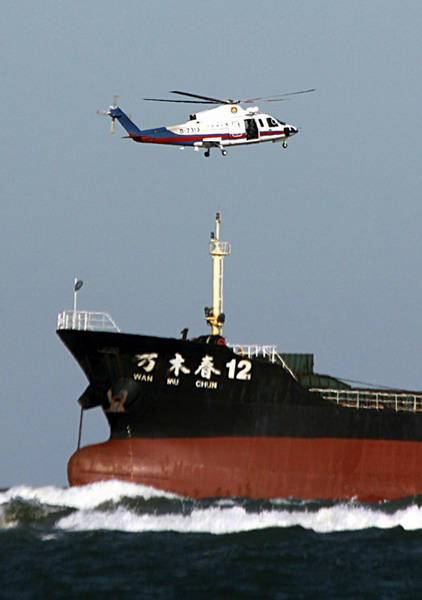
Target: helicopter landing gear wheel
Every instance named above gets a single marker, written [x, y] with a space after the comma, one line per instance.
[224, 152]
[285, 144]
[206, 153]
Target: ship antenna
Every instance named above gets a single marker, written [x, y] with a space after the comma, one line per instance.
[77, 286]
[218, 250]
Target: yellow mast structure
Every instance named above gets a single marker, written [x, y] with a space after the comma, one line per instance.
[218, 250]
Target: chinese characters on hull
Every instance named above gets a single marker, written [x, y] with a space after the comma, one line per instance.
[206, 373]
[146, 362]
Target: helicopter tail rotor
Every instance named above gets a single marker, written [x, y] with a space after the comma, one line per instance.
[108, 112]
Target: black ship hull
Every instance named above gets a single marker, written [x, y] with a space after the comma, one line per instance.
[196, 418]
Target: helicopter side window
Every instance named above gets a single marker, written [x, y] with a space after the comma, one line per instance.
[272, 122]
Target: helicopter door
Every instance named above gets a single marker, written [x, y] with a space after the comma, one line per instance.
[251, 129]
[235, 129]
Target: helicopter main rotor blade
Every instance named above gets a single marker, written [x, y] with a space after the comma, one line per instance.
[277, 97]
[211, 100]
[179, 101]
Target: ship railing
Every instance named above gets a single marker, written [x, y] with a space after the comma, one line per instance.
[373, 399]
[268, 353]
[83, 320]
[254, 351]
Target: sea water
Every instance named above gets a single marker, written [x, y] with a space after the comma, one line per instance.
[120, 540]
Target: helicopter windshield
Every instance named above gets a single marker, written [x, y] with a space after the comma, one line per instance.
[274, 122]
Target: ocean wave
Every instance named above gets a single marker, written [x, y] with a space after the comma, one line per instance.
[24, 505]
[127, 507]
[223, 521]
[83, 497]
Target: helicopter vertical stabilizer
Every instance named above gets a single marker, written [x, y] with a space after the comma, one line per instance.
[125, 122]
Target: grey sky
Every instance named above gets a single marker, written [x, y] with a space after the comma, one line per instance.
[326, 241]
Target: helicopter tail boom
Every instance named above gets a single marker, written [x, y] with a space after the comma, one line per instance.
[117, 113]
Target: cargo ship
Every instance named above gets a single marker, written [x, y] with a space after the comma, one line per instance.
[204, 418]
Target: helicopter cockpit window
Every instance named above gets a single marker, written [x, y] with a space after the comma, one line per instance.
[272, 122]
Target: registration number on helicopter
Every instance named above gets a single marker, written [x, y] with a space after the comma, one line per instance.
[189, 130]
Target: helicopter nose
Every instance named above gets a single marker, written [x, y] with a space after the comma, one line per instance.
[290, 130]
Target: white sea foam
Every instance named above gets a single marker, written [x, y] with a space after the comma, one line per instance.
[218, 521]
[226, 516]
[84, 497]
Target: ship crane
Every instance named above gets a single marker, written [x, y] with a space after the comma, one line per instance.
[214, 316]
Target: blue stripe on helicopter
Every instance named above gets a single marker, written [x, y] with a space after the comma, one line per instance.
[162, 135]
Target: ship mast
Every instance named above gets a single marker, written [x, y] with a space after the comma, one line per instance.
[218, 250]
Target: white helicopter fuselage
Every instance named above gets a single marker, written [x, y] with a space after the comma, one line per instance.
[230, 125]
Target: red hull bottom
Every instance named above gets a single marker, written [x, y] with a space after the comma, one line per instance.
[258, 467]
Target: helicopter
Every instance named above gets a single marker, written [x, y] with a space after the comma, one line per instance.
[227, 124]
